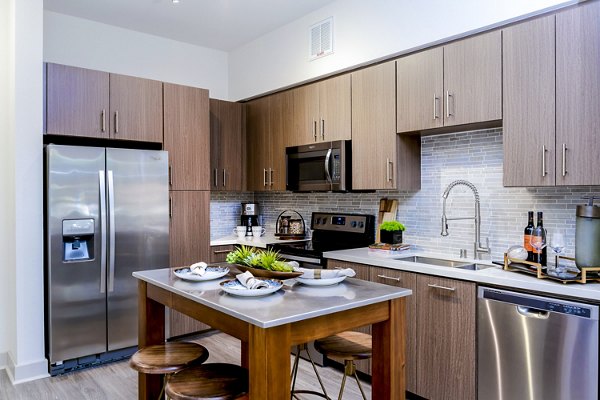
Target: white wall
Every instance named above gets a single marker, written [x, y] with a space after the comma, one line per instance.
[22, 226]
[84, 43]
[363, 31]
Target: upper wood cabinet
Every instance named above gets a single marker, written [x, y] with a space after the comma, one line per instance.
[187, 137]
[266, 142]
[82, 102]
[446, 351]
[376, 148]
[578, 95]
[459, 83]
[227, 145]
[320, 112]
[528, 63]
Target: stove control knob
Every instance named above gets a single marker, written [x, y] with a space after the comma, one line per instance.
[353, 224]
[361, 224]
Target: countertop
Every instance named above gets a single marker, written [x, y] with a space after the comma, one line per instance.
[261, 241]
[492, 276]
[294, 302]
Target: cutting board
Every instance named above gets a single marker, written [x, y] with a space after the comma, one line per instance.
[387, 212]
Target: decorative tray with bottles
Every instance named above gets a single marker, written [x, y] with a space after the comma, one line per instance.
[572, 274]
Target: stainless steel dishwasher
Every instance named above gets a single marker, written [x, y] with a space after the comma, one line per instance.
[534, 348]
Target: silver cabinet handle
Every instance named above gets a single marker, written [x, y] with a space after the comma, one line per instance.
[315, 129]
[170, 207]
[264, 177]
[216, 178]
[170, 175]
[102, 186]
[221, 251]
[103, 122]
[389, 278]
[435, 103]
[564, 159]
[434, 286]
[544, 150]
[271, 176]
[224, 178]
[323, 129]
[111, 232]
[116, 122]
[389, 176]
[448, 95]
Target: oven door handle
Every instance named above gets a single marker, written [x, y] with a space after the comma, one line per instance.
[300, 259]
[327, 160]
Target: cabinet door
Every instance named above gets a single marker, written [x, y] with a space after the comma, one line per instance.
[374, 127]
[187, 136]
[189, 243]
[335, 109]
[136, 106]
[226, 145]
[277, 140]
[528, 64]
[473, 79]
[219, 253]
[406, 280]
[578, 95]
[258, 149]
[304, 115]
[446, 338]
[420, 86]
[76, 101]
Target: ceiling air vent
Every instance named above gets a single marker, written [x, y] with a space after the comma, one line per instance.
[321, 39]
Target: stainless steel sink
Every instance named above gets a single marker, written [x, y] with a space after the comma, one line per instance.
[440, 262]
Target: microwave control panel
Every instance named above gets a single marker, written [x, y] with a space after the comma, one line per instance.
[340, 222]
[336, 167]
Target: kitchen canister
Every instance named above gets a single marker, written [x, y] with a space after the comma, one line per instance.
[587, 235]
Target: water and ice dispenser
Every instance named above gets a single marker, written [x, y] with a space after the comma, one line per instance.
[78, 239]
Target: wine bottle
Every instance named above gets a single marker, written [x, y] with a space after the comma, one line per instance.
[527, 236]
[540, 255]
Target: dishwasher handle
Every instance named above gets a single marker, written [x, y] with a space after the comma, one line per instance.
[531, 312]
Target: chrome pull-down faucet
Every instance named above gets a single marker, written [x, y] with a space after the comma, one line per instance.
[478, 248]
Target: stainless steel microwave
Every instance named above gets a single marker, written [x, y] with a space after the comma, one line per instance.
[319, 167]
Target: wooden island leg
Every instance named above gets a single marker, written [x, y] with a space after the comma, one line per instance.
[269, 362]
[389, 346]
[151, 330]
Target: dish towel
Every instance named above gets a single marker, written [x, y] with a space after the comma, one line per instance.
[308, 273]
[198, 268]
[249, 281]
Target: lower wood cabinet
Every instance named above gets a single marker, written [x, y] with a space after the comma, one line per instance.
[440, 331]
[190, 243]
[219, 253]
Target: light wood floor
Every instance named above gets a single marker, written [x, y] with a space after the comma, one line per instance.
[117, 381]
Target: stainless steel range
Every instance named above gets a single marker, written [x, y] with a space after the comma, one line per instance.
[331, 231]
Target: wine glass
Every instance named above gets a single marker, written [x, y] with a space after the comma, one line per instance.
[538, 241]
[557, 244]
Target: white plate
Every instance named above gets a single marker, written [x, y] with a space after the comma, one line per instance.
[321, 282]
[233, 286]
[210, 274]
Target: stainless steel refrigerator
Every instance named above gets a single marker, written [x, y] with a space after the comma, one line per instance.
[107, 215]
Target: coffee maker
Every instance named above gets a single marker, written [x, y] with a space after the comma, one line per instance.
[249, 216]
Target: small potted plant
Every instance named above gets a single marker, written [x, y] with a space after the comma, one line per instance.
[391, 232]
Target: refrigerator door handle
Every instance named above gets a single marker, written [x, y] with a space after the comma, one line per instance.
[111, 232]
[102, 186]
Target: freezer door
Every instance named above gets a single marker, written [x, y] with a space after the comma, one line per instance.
[75, 298]
[138, 202]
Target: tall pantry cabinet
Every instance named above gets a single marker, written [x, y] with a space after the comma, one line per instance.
[187, 138]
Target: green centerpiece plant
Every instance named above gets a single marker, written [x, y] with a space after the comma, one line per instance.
[391, 232]
[255, 258]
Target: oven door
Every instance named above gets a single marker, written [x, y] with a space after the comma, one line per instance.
[304, 261]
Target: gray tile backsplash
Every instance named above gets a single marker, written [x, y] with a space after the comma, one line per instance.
[475, 156]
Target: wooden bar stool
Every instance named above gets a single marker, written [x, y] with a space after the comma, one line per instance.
[168, 358]
[347, 346]
[209, 381]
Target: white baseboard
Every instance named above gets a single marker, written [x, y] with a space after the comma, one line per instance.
[26, 372]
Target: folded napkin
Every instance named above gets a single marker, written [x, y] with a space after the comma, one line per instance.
[198, 268]
[249, 281]
[308, 273]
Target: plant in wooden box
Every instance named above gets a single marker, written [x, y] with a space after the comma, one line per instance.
[391, 232]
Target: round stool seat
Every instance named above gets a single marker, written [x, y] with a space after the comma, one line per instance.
[208, 381]
[168, 358]
[347, 345]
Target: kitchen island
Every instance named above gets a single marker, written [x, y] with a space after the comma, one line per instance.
[268, 326]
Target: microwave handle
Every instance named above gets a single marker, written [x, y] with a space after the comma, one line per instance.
[327, 159]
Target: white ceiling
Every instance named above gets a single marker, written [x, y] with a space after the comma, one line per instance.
[218, 24]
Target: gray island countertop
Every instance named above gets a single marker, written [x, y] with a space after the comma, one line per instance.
[290, 304]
